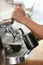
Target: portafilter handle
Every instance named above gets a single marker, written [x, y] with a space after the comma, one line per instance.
[7, 22]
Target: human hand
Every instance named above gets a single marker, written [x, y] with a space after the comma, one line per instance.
[19, 14]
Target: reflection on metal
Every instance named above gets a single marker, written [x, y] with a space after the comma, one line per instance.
[16, 59]
[14, 52]
[15, 48]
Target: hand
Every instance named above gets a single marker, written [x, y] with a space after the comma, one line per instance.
[19, 14]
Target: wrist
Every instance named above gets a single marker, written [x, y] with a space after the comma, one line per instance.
[24, 20]
[28, 22]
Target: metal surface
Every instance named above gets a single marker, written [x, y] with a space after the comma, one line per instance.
[10, 55]
[14, 49]
[16, 59]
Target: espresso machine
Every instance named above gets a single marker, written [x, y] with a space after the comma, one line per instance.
[16, 44]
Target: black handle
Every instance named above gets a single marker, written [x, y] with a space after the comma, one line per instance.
[30, 41]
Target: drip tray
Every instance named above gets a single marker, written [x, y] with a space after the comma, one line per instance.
[16, 57]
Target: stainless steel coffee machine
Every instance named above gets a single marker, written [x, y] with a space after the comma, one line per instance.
[16, 45]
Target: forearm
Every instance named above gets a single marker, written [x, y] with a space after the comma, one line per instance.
[20, 16]
[34, 27]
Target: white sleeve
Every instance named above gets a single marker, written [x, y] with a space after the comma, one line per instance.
[28, 3]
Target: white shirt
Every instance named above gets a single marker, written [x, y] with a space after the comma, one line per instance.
[37, 13]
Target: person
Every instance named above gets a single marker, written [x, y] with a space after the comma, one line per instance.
[20, 16]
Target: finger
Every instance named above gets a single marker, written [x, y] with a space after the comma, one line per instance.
[18, 6]
[14, 12]
[13, 16]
